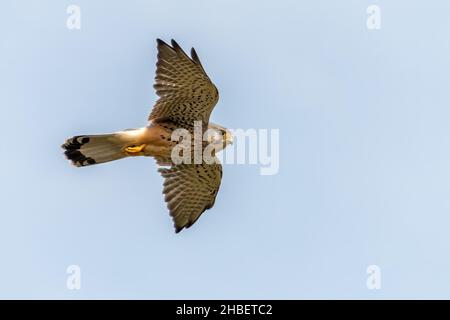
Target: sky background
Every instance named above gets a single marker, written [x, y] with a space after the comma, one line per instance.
[364, 151]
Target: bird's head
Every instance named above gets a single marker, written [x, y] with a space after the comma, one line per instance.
[219, 136]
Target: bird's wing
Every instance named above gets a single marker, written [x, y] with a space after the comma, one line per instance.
[186, 92]
[189, 190]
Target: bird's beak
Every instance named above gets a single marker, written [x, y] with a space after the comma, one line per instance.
[228, 137]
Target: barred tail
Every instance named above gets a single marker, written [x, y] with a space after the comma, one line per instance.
[87, 150]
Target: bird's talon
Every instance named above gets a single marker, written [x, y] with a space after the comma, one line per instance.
[134, 150]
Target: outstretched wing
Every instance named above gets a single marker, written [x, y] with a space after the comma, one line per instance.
[189, 190]
[186, 93]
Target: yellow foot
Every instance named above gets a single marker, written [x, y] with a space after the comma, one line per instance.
[134, 150]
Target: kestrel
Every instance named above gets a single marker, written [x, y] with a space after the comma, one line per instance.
[186, 96]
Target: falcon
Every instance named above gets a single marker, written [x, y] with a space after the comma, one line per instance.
[186, 97]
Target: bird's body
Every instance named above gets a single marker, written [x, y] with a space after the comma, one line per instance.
[187, 97]
[153, 140]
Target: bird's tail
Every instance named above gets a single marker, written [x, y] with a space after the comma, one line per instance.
[87, 150]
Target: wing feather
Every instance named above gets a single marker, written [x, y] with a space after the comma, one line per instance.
[185, 90]
[189, 190]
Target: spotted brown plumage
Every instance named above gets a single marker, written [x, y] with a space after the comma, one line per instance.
[186, 95]
[189, 190]
[186, 92]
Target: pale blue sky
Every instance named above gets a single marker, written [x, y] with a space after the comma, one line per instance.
[364, 156]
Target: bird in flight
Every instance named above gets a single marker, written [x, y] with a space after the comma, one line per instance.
[186, 98]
